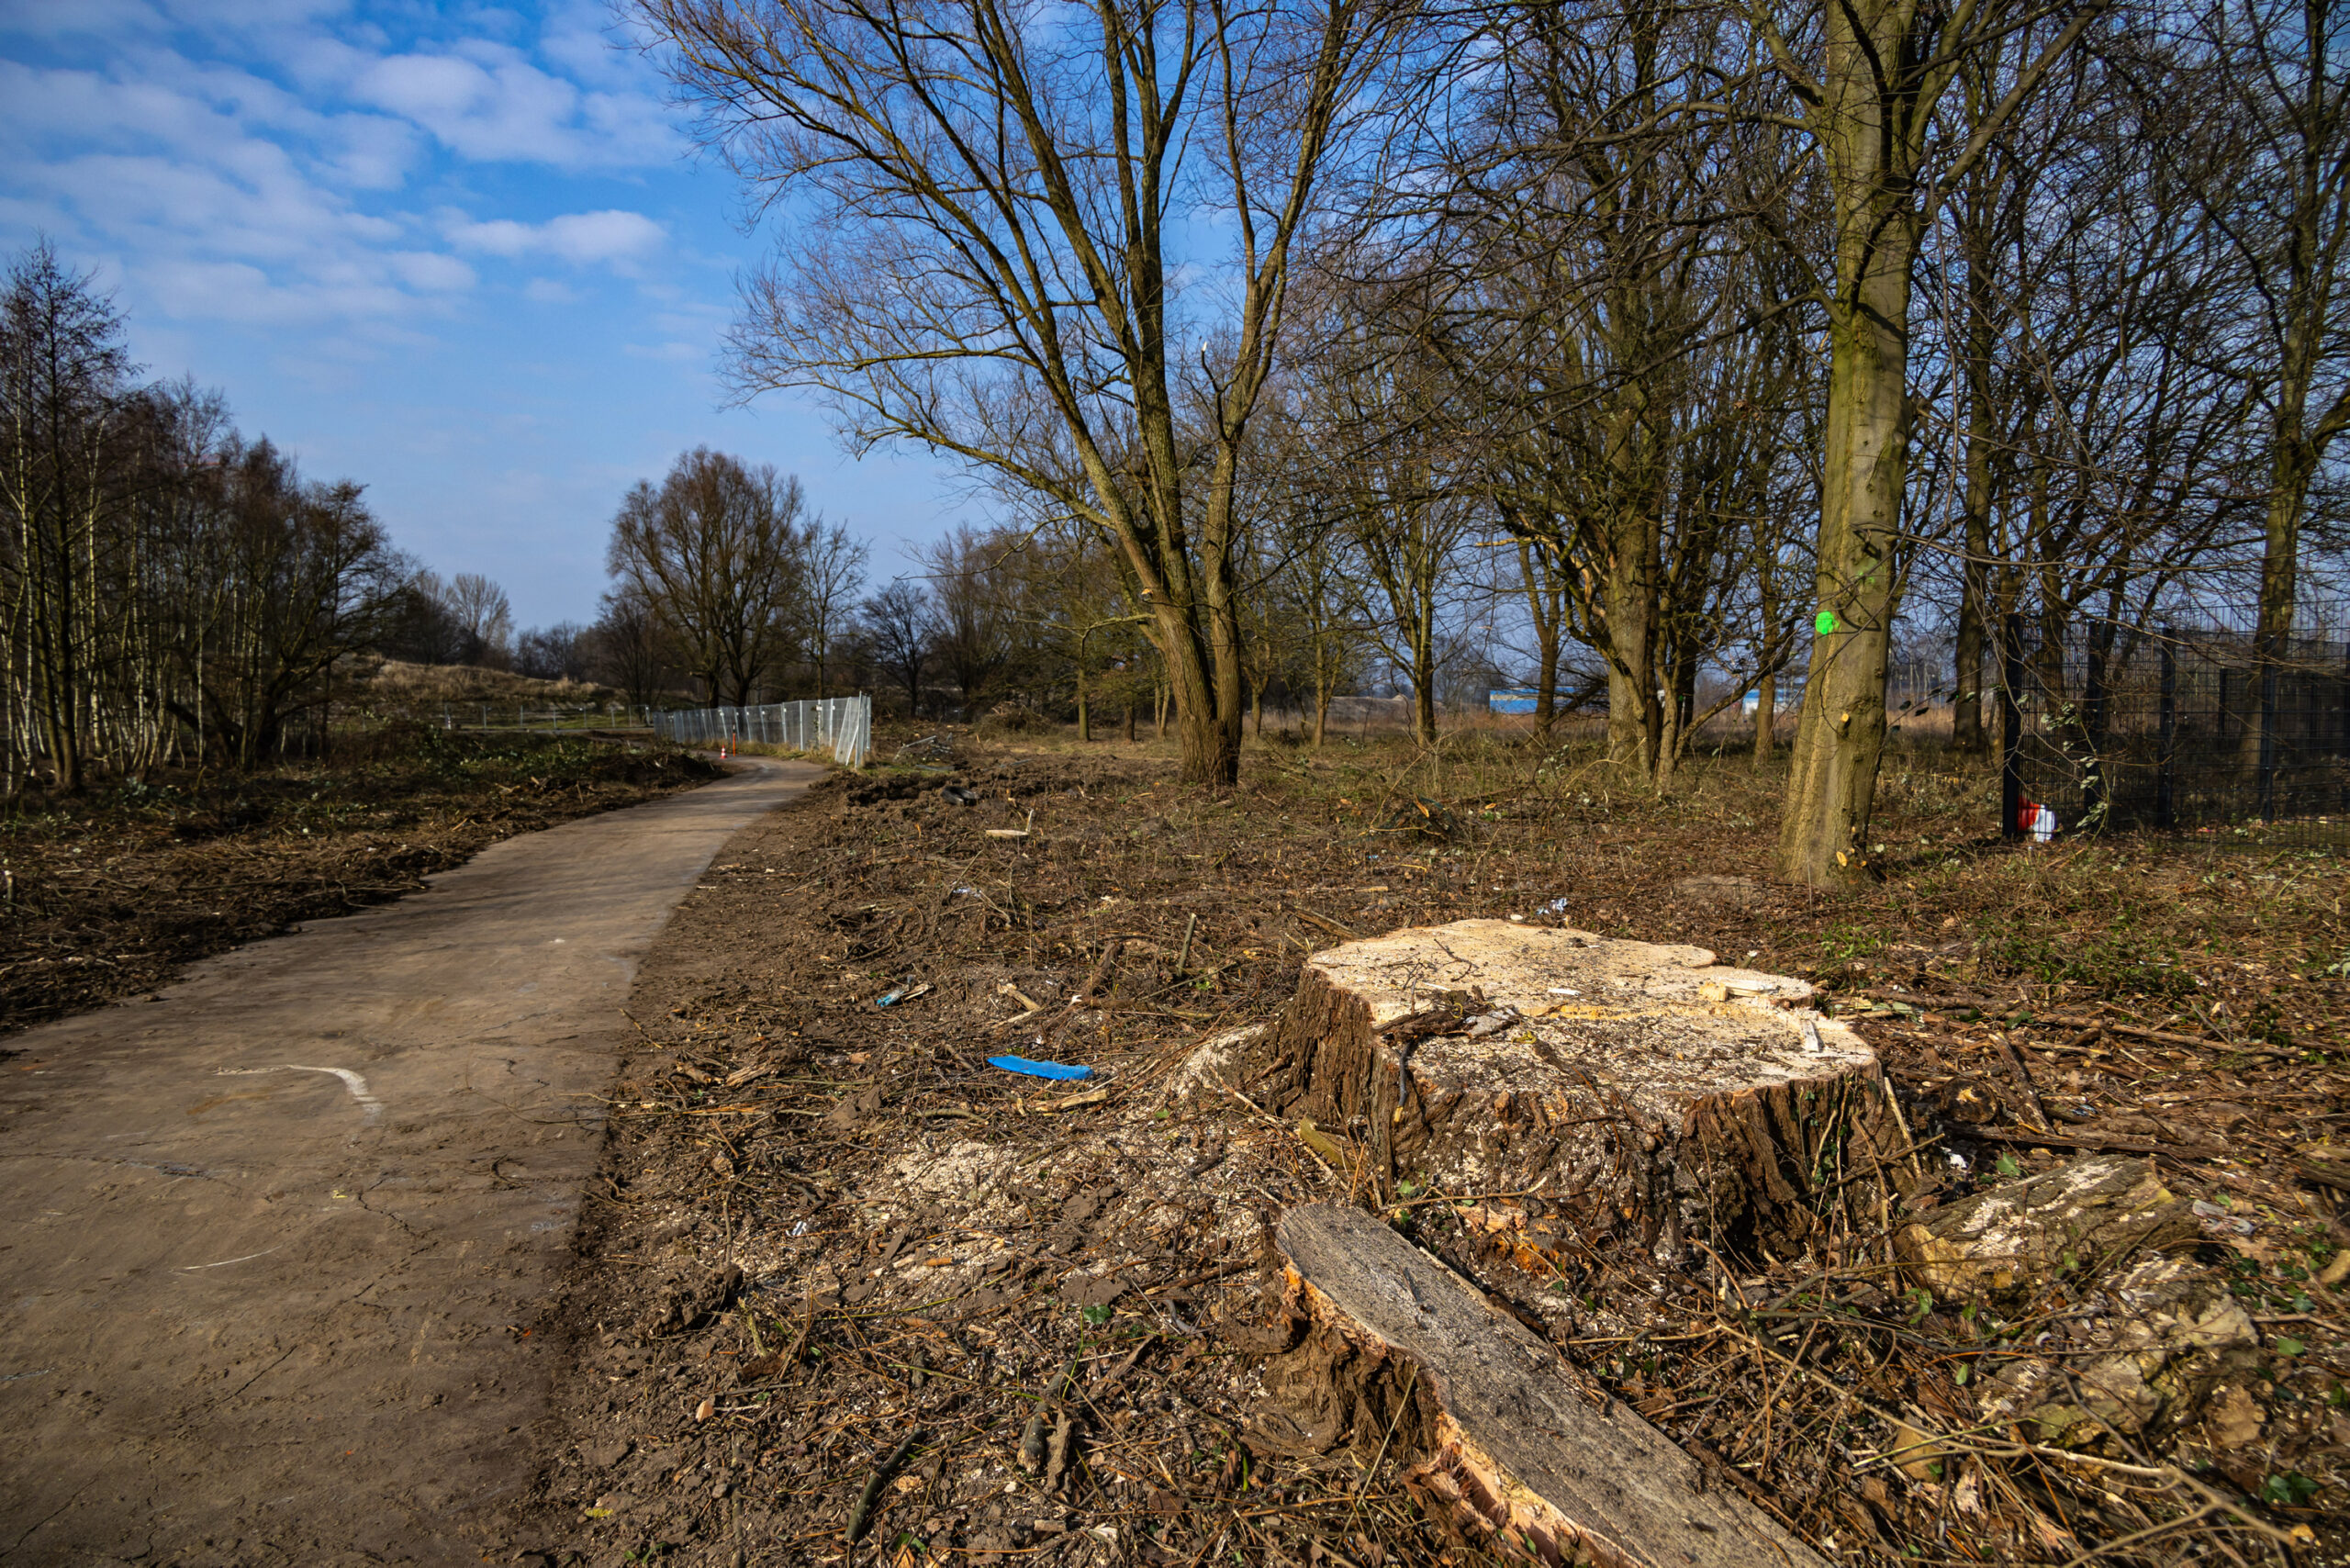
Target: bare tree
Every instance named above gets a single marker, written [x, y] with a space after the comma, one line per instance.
[632, 648]
[2274, 174]
[282, 579]
[1069, 597]
[1323, 598]
[1869, 86]
[988, 261]
[63, 372]
[484, 619]
[831, 570]
[894, 626]
[1407, 522]
[970, 632]
[715, 553]
[1594, 220]
[166, 587]
[563, 651]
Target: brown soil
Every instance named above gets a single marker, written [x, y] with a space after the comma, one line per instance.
[836, 1256]
[108, 894]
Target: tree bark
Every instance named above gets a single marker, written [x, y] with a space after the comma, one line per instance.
[1632, 599]
[1831, 787]
[1543, 594]
[1510, 1439]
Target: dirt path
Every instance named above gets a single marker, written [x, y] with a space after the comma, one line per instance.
[270, 1242]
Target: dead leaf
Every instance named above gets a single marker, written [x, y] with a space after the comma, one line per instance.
[706, 1409]
[1321, 1143]
[2237, 1420]
[1914, 1452]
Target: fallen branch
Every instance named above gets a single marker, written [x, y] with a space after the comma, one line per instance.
[2101, 1143]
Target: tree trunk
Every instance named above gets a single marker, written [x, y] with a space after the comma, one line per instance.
[1544, 609]
[2312, 147]
[1668, 748]
[1967, 734]
[1084, 717]
[1130, 721]
[1673, 1103]
[2292, 466]
[1546, 688]
[1831, 784]
[1631, 644]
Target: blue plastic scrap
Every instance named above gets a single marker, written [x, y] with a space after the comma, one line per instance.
[1039, 1069]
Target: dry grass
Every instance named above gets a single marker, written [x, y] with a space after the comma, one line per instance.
[390, 685]
[926, 1240]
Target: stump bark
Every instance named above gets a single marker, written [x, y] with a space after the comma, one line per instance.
[1584, 1089]
[1514, 1441]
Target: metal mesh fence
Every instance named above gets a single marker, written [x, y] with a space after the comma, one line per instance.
[2190, 732]
[842, 725]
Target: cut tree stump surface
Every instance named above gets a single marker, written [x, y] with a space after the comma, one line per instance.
[1522, 1442]
[1628, 1088]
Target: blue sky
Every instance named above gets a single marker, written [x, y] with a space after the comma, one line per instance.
[463, 254]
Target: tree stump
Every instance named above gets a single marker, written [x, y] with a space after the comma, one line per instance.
[1516, 1442]
[1584, 1087]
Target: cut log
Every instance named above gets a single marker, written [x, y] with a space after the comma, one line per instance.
[1592, 1089]
[1509, 1437]
[2008, 1245]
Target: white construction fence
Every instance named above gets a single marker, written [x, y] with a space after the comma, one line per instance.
[842, 725]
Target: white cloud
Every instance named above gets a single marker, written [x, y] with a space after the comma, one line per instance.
[491, 105]
[580, 238]
[243, 159]
[429, 271]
